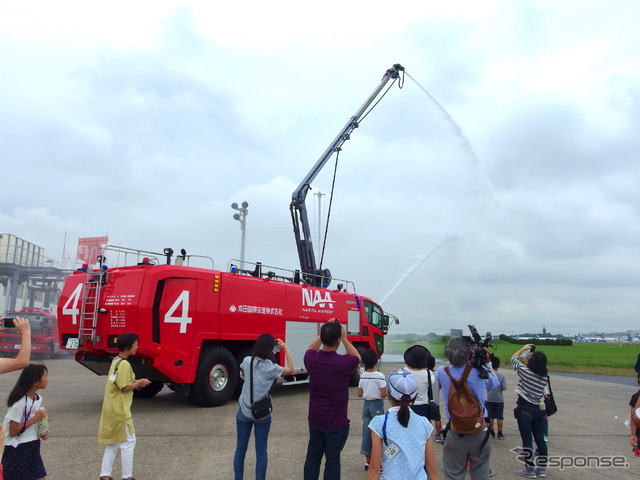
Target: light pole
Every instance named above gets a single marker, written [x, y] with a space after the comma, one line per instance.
[242, 218]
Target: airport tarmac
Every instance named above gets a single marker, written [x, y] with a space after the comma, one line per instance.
[177, 440]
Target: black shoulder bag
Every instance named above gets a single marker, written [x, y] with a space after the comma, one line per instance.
[550, 402]
[263, 407]
[434, 408]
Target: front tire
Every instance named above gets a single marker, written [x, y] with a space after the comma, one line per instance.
[354, 379]
[216, 378]
[245, 352]
[149, 391]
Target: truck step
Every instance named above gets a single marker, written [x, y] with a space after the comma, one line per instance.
[295, 382]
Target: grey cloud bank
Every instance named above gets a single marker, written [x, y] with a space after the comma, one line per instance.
[529, 218]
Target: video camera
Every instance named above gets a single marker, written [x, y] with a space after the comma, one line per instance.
[477, 357]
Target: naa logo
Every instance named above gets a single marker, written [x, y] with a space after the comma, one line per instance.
[313, 298]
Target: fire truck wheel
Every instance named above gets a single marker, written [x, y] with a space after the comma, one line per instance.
[245, 352]
[216, 378]
[149, 391]
[354, 380]
[50, 352]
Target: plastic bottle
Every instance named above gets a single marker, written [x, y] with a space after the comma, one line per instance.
[43, 426]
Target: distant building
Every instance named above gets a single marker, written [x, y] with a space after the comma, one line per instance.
[455, 332]
[19, 252]
[27, 277]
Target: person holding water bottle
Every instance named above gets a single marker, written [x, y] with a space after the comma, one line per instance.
[21, 459]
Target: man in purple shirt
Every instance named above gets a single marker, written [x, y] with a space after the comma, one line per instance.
[329, 374]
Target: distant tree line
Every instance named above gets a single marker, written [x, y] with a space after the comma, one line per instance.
[413, 336]
[565, 342]
[444, 339]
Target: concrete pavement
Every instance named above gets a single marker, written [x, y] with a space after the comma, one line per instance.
[177, 440]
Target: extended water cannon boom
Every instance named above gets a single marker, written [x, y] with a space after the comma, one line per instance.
[301, 229]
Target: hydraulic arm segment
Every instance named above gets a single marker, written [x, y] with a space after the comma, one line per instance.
[312, 274]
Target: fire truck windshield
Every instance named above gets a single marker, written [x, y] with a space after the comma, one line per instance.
[374, 314]
[39, 322]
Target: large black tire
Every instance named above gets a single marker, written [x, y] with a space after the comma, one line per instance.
[354, 379]
[149, 391]
[216, 378]
[48, 351]
[245, 352]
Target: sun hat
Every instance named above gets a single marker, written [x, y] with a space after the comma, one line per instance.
[402, 386]
[416, 356]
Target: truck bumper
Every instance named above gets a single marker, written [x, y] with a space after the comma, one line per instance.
[142, 367]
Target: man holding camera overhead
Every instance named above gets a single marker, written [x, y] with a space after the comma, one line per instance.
[329, 374]
[474, 447]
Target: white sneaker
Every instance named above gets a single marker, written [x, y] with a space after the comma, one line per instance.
[526, 473]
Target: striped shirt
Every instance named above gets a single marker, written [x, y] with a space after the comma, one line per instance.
[264, 373]
[530, 386]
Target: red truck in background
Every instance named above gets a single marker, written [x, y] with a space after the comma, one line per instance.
[197, 324]
[44, 333]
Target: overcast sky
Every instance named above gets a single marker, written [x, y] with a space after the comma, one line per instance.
[510, 202]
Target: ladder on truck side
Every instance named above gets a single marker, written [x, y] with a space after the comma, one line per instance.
[89, 310]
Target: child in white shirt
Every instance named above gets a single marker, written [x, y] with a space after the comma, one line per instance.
[373, 388]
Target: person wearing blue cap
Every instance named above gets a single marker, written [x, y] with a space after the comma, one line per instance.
[401, 439]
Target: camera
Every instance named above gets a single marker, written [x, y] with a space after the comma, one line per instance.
[8, 323]
[478, 355]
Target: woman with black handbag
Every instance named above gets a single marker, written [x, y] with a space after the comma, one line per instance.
[259, 372]
[529, 411]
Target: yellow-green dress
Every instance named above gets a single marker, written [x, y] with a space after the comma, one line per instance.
[116, 406]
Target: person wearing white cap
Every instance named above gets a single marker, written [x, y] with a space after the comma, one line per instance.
[401, 439]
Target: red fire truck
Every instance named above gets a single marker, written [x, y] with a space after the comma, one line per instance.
[44, 333]
[197, 324]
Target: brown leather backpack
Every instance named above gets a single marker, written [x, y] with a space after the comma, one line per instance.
[466, 415]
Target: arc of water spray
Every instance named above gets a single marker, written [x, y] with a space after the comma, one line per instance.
[426, 256]
[460, 134]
